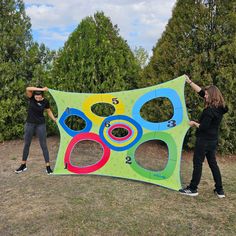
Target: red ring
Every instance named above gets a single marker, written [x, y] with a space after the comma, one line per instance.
[119, 126]
[85, 170]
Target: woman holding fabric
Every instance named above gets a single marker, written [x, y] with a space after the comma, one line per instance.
[207, 138]
[35, 123]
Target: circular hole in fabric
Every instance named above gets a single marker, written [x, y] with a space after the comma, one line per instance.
[87, 169]
[68, 115]
[103, 109]
[152, 155]
[86, 153]
[98, 99]
[75, 123]
[172, 157]
[120, 121]
[167, 93]
[120, 132]
[157, 110]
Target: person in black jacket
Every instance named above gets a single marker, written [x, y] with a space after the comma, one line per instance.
[207, 138]
[35, 123]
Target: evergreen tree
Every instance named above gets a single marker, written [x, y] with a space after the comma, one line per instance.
[21, 62]
[141, 56]
[199, 40]
[95, 59]
[14, 40]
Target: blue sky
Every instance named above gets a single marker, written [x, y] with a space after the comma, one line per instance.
[141, 22]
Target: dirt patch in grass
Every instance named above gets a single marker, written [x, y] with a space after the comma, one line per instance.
[34, 203]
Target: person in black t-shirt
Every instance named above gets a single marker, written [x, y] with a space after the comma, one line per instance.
[35, 123]
[207, 138]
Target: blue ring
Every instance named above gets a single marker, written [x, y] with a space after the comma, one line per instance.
[72, 111]
[121, 117]
[166, 93]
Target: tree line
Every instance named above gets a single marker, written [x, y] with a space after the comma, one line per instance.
[199, 40]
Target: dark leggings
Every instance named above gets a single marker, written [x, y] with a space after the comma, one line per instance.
[205, 148]
[30, 130]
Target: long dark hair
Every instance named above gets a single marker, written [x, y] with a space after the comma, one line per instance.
[215, 98]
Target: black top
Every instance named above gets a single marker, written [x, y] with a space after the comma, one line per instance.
[35, 111]
[210, 121]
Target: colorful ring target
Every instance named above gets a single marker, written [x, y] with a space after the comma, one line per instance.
[120, 121]
[115, 141]
[121, 133]
[105, 98]
[165, 93]
[120, 126]
[70, 112]
[171, 164]
[87, 169]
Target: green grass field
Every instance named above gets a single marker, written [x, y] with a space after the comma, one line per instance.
[34, 203]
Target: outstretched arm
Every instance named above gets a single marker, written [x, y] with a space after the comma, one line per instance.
[194, 86]
[29, 90]
[194, 123]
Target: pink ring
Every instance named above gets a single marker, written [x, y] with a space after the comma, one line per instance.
[85, 170]
[119, 126]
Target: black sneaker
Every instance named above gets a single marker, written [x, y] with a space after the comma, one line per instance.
[49, 170]
[21, 168]
[219, 193]
[188, 191]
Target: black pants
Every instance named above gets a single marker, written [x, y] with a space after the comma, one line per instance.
[205, 148]
[40, 130]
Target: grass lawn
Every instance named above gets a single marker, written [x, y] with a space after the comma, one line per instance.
[33, 203]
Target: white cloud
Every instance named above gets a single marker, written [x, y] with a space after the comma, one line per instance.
[141, 22]
[51, 35]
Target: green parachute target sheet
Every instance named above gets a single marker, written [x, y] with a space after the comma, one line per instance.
[118, 157]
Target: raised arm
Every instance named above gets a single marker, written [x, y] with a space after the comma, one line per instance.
[194, 86]
[29, 90]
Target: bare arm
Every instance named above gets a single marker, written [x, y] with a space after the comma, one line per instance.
[29, 90]
[194, 86]
[50, 114]
[194, 123]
